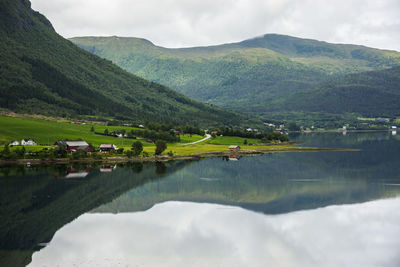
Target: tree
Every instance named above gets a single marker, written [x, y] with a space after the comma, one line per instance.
[6, 149]
[160, 147]
[137, 148]
[106, 131]
[293, 127]
[6, 152]
[245, 142]
[92, 129]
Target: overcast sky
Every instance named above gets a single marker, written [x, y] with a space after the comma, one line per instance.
[183, 23]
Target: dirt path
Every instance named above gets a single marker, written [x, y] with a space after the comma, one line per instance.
[208, 136]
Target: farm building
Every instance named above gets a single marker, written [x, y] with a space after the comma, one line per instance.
[234, 148]
[107, 148]
[72, 146]
[14, 143]
[28, 142]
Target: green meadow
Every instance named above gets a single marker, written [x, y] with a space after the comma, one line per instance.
[232, 140]
[46, 132]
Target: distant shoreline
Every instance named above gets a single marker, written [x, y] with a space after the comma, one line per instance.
[166, 158]
[344, 131]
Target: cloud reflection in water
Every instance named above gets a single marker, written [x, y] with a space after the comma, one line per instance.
[192, 234]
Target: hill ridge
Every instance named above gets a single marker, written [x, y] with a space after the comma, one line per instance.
[247, 76]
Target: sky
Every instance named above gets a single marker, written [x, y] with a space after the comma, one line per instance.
[186, 23]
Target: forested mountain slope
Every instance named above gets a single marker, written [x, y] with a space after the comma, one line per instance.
[374, 93]
[244, 76]
[41, 72]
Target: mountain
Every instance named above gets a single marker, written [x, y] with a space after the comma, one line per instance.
[246, 76]
[41, 72]
[374, 93]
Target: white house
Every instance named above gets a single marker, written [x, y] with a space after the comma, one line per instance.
[14, 143]
[28, 142]
[106, 148]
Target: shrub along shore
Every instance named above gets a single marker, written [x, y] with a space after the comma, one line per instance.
[198, 155]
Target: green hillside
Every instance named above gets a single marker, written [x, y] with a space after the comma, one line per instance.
[41, 72]
[244, 76]
[375, 93]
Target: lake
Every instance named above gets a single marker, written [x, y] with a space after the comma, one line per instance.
[284, 209]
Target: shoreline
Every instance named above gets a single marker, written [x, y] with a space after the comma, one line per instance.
[344, 131]
[166, 158]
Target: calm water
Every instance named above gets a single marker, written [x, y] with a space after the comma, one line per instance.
[284, 209]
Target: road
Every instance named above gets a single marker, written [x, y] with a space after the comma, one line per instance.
[208, 136]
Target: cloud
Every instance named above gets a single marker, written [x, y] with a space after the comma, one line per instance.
[178, 23]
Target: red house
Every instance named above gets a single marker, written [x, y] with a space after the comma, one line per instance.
[72, 146]
[234, 148]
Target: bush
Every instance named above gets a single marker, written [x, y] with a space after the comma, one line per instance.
[79, 154]
[129, 153]
[96, 155]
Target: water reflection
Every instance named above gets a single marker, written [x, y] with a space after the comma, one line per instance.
[189, 234]
[33, 206]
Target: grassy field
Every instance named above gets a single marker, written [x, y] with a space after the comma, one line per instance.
[232, 140]
[46, 132]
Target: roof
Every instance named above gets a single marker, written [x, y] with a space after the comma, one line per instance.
[106, 146]
[76, 143]
[234, 146]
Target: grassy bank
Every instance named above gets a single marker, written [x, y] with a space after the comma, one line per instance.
[46, 131]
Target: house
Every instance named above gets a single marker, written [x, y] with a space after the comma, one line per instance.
[14, 143]
[249, 129]
[214, 133]
[72, 146]
[107, 148]
[141, 126]
[234, 148]
[28, 142]
[394, 127]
